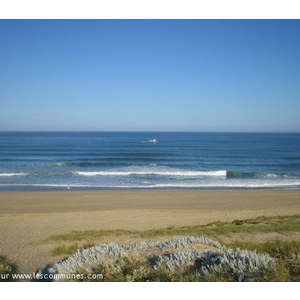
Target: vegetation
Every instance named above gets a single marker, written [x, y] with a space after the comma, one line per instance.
[279, 224]
[286, 254]
[129, 270]
[6, 269]
[68, 250]
[171, 259]
[286, 257]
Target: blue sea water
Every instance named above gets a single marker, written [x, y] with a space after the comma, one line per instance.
[98, 160]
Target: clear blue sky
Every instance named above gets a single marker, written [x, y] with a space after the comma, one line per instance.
[194, 75]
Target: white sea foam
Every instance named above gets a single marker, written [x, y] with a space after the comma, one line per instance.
[241, 184]
[12, 174]
[221, 173]
[58, 164]
[268, 175]
[212, 184]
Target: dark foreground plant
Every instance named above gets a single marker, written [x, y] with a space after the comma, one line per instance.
[7, 268]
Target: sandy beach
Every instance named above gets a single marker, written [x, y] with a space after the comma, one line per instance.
[29, 217]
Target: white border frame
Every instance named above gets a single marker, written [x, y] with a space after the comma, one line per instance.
[149, 9]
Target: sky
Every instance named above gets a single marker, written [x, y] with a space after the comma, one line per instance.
[150, 75]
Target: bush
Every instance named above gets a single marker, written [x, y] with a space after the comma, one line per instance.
[6, 269]
[116, 264]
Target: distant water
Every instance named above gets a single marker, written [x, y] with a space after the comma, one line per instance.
[97, 160]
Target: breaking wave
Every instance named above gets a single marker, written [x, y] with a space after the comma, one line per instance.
[260, 175]
[12, 174]
[221, 173]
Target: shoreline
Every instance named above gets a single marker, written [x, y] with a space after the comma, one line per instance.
[25, 189]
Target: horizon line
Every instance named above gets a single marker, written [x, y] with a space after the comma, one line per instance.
[146, 131]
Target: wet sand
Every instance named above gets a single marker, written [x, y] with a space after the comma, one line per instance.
[27, 217]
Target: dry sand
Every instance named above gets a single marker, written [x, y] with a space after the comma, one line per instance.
[27, 217]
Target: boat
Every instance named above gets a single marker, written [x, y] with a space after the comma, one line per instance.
[153, 141]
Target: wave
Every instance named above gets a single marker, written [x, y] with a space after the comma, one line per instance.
[89, 164]
[258, 175]
[12, 174]
[187, 173]
[221, 173]
[161, 171]
[227, 184]
[224, 185]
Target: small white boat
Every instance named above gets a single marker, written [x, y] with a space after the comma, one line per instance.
[153, 141]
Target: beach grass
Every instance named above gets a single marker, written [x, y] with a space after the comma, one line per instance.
[68, 250]
[278, 224]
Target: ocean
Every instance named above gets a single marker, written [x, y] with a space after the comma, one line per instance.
[127, 160]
